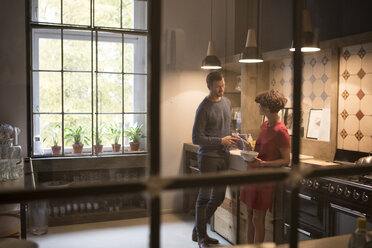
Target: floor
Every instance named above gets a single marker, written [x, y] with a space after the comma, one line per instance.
[175, 232]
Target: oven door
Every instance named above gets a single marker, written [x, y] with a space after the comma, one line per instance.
[343, 219]
[303, 233]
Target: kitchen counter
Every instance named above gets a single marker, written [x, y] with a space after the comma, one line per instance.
[337, 241]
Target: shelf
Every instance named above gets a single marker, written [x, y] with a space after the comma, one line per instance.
[232, 92]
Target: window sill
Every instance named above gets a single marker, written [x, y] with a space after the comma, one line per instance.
[89, 162]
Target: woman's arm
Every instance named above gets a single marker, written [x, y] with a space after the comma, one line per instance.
[284, 160]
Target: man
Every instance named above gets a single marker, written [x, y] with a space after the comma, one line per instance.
[211, 131]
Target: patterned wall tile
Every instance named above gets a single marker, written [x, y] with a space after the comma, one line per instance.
[366, 83]
[355, 98]
[365, 105]
[351, 143]
[352, 104]
[365, 145]
[351, 124]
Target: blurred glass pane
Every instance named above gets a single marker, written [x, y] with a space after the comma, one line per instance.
[76, 12]
[109, 92]
[51, 133]
[111, 127]
[47, 92]
[136, 120]
[135, 53]
[47, 133]
[78, 128]
[135, 93]
[109, 52]
[107, 13]
[135, 14]
[77, 48]
[46, 11]
[46, 47]
[77, 92]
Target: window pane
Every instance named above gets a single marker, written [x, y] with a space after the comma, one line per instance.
[78, 129]
[76, 12]
[46, 49]
[47, 92]
[77, 50]
[111, 127]
[107, 13]
[135, 53]
[109, 52]
[136, 120]
[135, 93]
[109, 92]
[47, 132]
[47, 11]
[77, 92]
[134, 14]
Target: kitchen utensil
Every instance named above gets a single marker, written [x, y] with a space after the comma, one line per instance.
[365, 160]
[248, 155]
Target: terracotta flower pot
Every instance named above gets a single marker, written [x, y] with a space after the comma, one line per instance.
[56, 150]
[77, 149]
[116, 147]
[98, 149]
[134, 146]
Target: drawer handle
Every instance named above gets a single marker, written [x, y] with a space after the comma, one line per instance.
[348, 210]
[300, 230]
[194, 168]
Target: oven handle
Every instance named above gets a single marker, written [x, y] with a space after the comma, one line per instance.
[300, 230]
[305, 197]
[348, 210]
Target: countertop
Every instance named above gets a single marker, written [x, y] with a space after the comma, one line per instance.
[337, 241]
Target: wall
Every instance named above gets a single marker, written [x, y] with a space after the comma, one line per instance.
[355, 98]
[13, 97]
[183, 84]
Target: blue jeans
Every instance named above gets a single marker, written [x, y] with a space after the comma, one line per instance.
[208, 198]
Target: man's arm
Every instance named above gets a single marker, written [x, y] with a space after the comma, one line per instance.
[198, 130]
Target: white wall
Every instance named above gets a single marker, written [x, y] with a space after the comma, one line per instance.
[183, 88]
[13, 97]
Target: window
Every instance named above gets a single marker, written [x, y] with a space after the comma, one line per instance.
[88, 74]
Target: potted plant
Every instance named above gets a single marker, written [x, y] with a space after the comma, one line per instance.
[98, 147]
[53, 134]
[78, 137]
[134, 133]
[114, 132]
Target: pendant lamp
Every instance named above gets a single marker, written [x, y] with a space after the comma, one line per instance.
[211, 61]
[250, 54]
[310, 43]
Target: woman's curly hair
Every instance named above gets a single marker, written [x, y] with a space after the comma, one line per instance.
[272, 99]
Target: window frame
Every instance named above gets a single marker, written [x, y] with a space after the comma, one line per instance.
[93, 35]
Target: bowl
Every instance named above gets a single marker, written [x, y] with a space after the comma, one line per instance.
[248, 155]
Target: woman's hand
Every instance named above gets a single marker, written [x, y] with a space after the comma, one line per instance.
[257, 162]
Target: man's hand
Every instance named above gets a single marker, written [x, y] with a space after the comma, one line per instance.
[229, 140]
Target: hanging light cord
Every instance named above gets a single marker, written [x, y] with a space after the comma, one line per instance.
[211, 18]
[259, 38]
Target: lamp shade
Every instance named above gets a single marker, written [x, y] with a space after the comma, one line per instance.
[211, 61]
[310, 43]
[250, 52]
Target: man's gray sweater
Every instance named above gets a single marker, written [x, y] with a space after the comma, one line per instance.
[212, 122]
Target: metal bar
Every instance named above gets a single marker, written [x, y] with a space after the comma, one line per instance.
[154, 25]
[140, 32]
[297, 91]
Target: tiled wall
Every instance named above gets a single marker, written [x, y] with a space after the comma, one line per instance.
[355, 98]
[317, 80]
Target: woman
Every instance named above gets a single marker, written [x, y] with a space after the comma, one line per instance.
[273, 145]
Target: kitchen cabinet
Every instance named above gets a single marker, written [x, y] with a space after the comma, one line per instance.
[69, 172]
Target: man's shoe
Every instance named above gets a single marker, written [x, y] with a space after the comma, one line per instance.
[202, 243]
[208, 239]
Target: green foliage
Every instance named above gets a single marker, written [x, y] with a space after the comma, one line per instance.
[101, 132]
[134, 133]
[114, 132]
[76, 135]
[52, 133]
